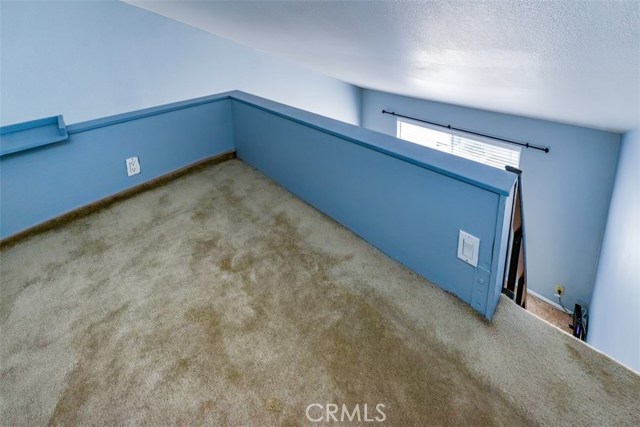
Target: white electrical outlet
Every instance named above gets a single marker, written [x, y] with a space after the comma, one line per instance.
[468, 248]
[133, 166]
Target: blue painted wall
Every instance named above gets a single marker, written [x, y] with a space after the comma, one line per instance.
[92, 59]
[566, 192]
[614, 321]
[411, 210]
[42, 183]
[407, 200]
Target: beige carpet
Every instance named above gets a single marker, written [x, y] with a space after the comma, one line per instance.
[221, 299]
[551, 314]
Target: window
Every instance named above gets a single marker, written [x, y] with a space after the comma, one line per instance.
[479, 149]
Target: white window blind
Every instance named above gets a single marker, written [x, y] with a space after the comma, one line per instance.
[489, 152]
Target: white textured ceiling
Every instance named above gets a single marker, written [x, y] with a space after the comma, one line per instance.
[570, 61]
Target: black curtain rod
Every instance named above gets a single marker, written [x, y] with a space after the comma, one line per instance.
[508, 141]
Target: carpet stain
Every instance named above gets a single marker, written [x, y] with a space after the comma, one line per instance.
[229, 196]
[211, 361]
[203, 248]
[609, 382]
[9, 294]
[96, 287]
[209, 320]
[577, 355]
[274, 405]
[233, 376]
[206, 407]
[225, 264]
[213, 202]
[180, 369]
[96, 247]
[82, 382]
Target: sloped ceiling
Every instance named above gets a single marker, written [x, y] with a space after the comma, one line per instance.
[575, 62]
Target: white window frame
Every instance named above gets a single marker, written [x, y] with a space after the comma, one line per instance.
[460, 134]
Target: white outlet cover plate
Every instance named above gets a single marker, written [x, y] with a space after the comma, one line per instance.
[133, 166]
[468, 248]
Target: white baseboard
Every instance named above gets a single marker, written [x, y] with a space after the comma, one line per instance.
[547, 300]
